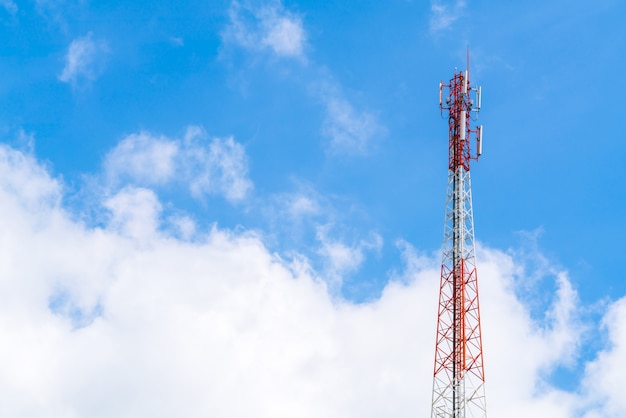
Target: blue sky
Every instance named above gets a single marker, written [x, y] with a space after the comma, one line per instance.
[308, 136]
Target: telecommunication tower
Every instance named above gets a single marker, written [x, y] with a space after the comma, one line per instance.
[459, 377]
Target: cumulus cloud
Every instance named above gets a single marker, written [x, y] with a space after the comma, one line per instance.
[127, 319]
[214, 327]
[84, 60]
[218, 166]
[604, 376]
[266, 27]
[183, 226]
[521, 352]
[134, 212]
[444, 13]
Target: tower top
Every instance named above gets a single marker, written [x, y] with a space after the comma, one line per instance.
[462, 101]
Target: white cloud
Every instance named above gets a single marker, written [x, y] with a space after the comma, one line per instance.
[216, 167]
[221, 168]
[184, 226]
[135, 212]
[25, 140]
[27, 181]
[520, 352]
[604, 376]
[267, 26]
[294, 218]
[84, 60]
[294, 214]
[299, 206]
[143, 158]
[444, 13]
[285, 36]
[220, 326]
[342, 259]
[350, 132]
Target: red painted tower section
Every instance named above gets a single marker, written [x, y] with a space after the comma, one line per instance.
[459, 376]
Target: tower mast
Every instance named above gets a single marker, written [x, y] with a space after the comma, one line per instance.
[459, 376]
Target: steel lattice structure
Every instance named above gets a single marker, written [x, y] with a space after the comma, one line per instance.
[459, 376]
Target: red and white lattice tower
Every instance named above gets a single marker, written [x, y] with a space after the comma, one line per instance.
[459, 378]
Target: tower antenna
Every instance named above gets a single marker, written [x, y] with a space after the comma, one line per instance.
[459, 375]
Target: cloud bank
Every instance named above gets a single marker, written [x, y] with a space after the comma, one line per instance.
[127, 319]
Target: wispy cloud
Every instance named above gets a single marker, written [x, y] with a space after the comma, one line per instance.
[297, 206]
[221, 168]
[444, 13]
[216, 166]
[84, 61]
[341, 258]
[296, 215]
[58, 12]
[266, 27]
[350, 132]
[271, 27]
[177, 41]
